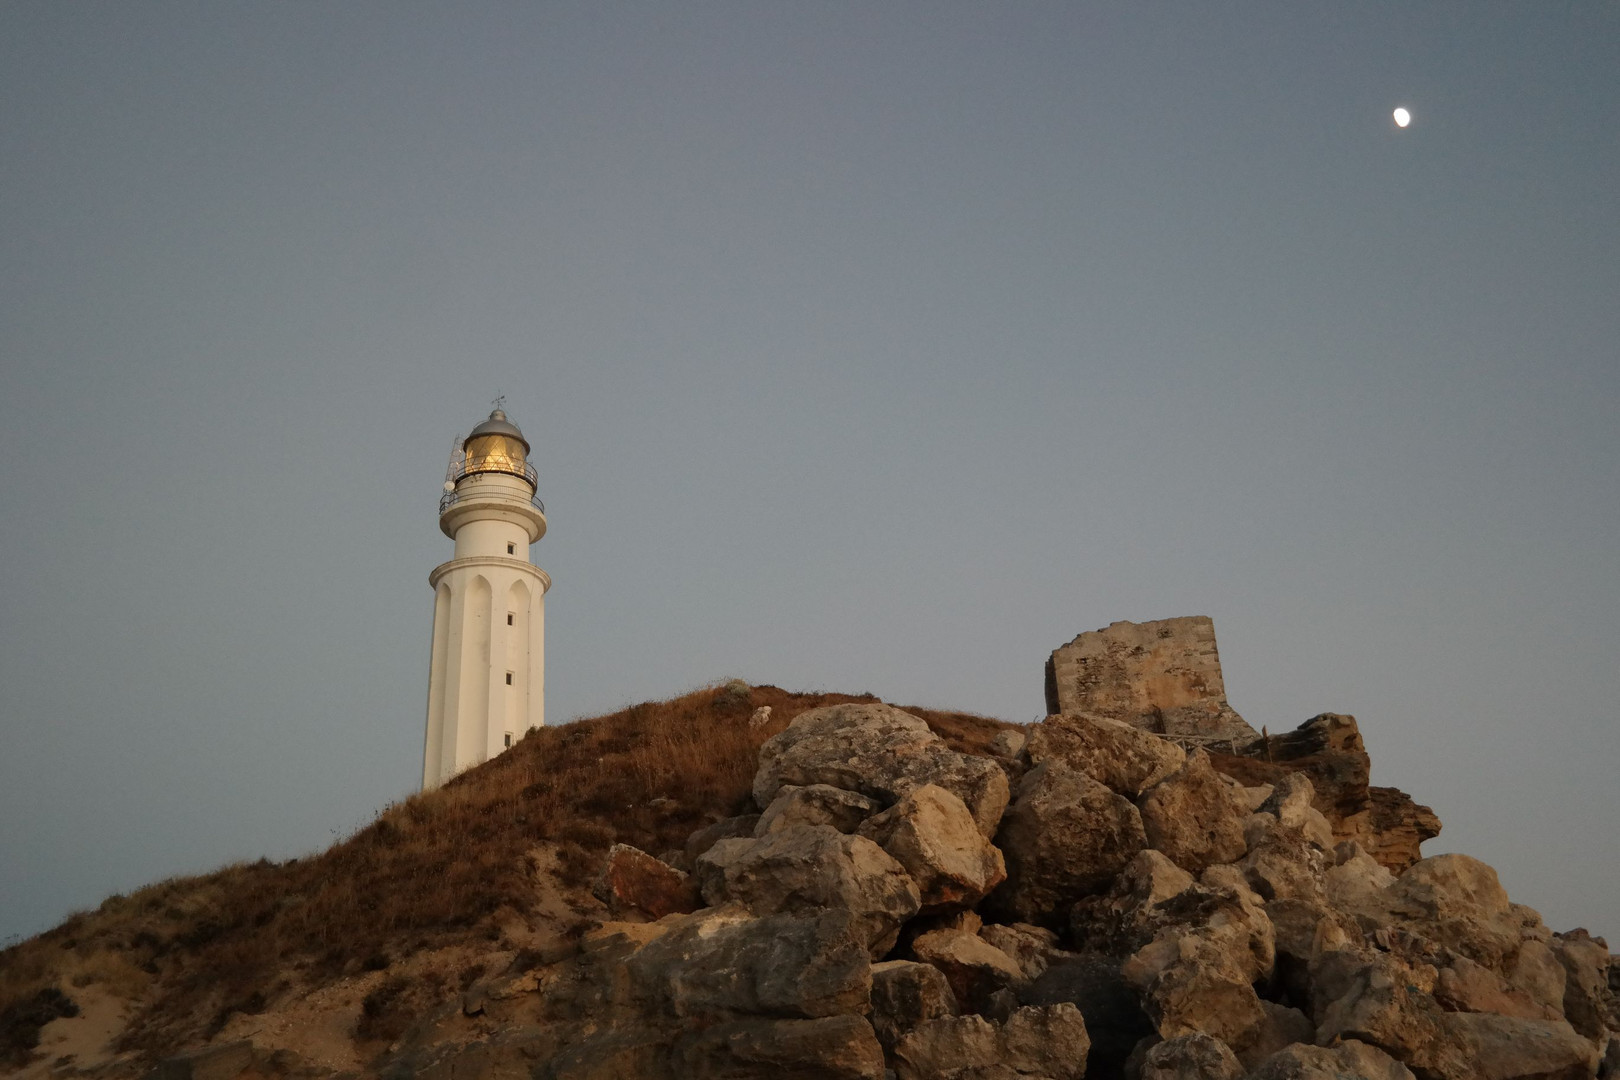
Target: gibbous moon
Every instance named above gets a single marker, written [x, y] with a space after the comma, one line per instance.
[1402, 118]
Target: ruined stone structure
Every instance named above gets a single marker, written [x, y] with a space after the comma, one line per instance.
[1163, 677]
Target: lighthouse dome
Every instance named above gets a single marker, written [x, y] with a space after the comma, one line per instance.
[498, 424]
[497, 445]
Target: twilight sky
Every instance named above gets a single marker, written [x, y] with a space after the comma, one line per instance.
[863, 347]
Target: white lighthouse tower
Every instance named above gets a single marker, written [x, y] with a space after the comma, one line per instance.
[487, 679]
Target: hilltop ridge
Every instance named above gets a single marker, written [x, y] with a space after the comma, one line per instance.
[744, 881]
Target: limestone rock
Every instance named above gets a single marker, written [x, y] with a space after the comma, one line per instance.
[931, 833]
[1034, 1042]
[1133, 910]
[974, 968]
[1032, 948]
[1126, 759]
[879, 751]
[1282, 864]
[1194, 818]
[724, 829]
[1329, 750]
[805, 867]
[828, 1048]
[1464, 986]
[1163, 676]
[906, 993]
[1458, 902]
[1355, 880]
[1065, 836]
[1292, 803]
[1350, 1060]
[1587, 999]
[1191, 1057]
[1197, 975]
[1092, 983]
[1482, 1046]
[635, 883]
[1009, 743]
[1281, 1027]
[1537, 972]
[817, 804]
[721, 961]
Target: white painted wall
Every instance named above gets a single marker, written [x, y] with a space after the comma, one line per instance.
[471, 707]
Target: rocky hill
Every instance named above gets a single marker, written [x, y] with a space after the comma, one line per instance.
[744, 882]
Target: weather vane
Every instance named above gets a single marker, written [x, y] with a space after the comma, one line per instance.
[499, 402]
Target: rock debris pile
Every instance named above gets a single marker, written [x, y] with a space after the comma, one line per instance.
[1149, 890]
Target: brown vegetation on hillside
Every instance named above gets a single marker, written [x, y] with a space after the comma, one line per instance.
[439, 868]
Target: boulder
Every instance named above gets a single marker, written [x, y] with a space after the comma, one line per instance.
[974, 968]
[1128, 916]
[906, 993]
[1191, 1057]
[1066, 836]
[1292, 802]
[1197, 974]
[1464, 986]
[1281, 1026]
[817, 804]
[1194, 818]
[931, 833]
[1355, 880]
[1281, 863]
[1162, 676]
[828, 1048]
[1587, 1000]
[722, 962]
[1031, 947]
[1033, 1042]
[1537, 972]
[1458, 902]
[724, 829]
[1350, 1060]
[633, 883]
[1124, 758]
[805, 867]
[881, 752]
[1481, 1046]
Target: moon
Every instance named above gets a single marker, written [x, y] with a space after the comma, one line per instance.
[1402, 117]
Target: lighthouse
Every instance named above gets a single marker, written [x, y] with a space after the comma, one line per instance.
[487, 672]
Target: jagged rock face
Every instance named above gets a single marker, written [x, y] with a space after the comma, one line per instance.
[879, 751]
[1162, 676]
[1328, 749]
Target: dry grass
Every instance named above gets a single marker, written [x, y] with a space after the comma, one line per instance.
[431, 871]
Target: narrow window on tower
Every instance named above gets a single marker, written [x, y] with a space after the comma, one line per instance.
[508, 738]
[511, 549]
[508, 618]
[508, 678]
